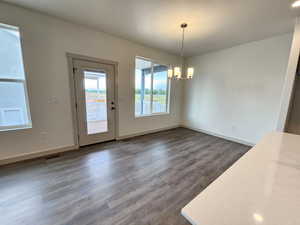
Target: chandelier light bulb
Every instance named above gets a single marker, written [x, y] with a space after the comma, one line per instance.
[177, 72]
[296, 4]
[170, 73]
[190, 73]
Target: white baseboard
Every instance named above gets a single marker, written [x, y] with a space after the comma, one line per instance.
[146, 132]
[237, 140]
[34, 155]
[44, 153]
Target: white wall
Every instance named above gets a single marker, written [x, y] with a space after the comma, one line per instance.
[45, 43]
[236, 92]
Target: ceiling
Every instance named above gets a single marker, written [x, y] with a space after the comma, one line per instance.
[213, 24]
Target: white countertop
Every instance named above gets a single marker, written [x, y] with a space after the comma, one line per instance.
[263, 187]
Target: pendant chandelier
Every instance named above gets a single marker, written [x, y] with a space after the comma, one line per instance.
[177, 72]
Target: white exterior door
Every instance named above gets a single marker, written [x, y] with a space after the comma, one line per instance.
[95, 101]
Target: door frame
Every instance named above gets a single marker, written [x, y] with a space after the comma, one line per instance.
[70, 58]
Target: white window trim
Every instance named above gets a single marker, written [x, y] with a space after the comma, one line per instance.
[23, 81]
[151, 95]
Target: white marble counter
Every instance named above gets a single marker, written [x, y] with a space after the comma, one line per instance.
[263, 187]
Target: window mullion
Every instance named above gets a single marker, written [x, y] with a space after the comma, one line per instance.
[12, 80]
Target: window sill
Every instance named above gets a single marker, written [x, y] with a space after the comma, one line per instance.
[151, 115]
[5, 129]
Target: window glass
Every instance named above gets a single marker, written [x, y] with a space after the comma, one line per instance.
[151, 88]
[160, 88]
[147, 94]
[11, 63]
[96, 103]
[14, 109]
[142, 87]
[138, 84]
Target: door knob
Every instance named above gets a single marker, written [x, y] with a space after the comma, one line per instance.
[113, 108]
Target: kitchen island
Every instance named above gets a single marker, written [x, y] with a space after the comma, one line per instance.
[263, 187]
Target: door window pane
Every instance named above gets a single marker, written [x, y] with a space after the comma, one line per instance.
[96, 102]
[160, 88]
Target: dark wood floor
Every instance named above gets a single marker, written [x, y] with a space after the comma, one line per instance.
[140, 181]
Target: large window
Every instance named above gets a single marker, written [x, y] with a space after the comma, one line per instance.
[151, 88]
[14, 109]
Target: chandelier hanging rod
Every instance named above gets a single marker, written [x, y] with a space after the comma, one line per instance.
[183, 26]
